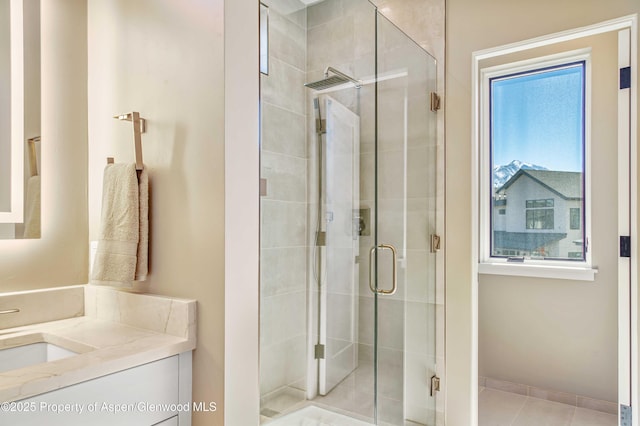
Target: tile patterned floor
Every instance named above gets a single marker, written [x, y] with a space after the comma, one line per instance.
[497, 408]
[315, 416]
[352, 397]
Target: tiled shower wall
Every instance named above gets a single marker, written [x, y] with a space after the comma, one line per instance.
[283, 263]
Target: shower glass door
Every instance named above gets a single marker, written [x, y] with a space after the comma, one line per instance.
[348, 210]
[404, 266]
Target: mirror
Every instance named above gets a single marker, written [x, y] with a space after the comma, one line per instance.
[19, 119]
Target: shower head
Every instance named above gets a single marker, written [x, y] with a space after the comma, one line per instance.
[332, 81]
[326, 83]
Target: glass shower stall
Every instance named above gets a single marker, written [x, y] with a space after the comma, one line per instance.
[348, 216]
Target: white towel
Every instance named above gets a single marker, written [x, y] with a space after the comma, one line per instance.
[142, 267]
[121, 256]
[32, 209]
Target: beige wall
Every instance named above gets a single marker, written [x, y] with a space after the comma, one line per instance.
[471, 26]
[60, 256]
[165, 59]
[562, 334]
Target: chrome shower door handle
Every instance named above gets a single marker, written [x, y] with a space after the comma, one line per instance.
[394, 272]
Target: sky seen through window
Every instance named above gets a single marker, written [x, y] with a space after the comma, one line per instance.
[537, 118]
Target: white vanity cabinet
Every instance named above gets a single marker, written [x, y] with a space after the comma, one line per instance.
[156, 393]
[173, 421]
[129, 360]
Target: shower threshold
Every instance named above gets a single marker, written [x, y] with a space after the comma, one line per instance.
[312, 415]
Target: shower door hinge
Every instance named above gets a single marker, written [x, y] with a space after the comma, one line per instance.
[435, 243]
[319, 351]
[364, 221]
[435, 102]
[625, 78]
[435, 384]
[625, 415]
[321, 239]
[263, 187]
[625, 246]
[321, 126]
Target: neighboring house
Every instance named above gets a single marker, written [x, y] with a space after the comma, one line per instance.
[538, 213]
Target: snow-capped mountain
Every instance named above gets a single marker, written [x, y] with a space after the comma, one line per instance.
[501, 174]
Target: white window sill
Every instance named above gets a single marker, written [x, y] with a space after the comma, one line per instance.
[580, 273]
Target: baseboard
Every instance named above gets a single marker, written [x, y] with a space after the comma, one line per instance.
[549, 395]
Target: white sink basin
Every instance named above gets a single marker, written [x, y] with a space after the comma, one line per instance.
[31, 354]
[20, 350]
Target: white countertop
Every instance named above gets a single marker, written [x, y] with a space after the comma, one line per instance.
[104, 346]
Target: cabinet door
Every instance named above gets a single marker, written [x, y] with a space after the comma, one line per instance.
[173, 421]
[143, 395]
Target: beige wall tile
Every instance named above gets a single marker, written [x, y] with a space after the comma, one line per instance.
[324, 12]
[287, 40]
[286, 176]
[283, 131]
[282, 317]
[504, 386]
[283, 224]
[584, 416]
[549, 395]
[282, 270]
[284, 86]
[598, 405]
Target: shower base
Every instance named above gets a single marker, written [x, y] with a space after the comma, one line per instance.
[351, 402]
[312, 415]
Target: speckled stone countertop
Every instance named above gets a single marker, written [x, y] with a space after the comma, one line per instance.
[110, 330]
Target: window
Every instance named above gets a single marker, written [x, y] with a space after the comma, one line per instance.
[540, 219]
[574, 218]
[534, 147]
[539, 203]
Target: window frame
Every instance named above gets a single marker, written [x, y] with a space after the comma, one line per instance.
[568, 269]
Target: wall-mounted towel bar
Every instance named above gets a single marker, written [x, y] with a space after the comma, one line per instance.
[33, 156]
[139, 127]
[129, 117]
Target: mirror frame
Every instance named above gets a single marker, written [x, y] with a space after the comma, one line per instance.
[16, 213]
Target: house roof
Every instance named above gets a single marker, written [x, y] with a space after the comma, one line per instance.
[568, 185]
[527, 241]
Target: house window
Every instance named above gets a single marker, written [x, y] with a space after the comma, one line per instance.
[540, 219]
[539, 203]
[534, 145]
[574, 218]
